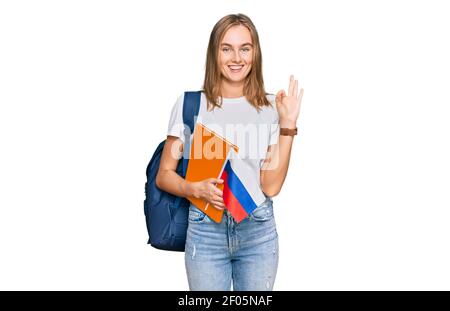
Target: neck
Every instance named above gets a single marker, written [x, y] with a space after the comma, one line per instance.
[232, 89]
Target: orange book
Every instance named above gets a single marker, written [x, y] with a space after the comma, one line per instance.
[208, 155]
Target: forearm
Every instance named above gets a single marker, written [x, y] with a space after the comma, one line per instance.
[173, 183]
[274, 171]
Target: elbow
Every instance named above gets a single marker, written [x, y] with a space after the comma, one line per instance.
[272, 192]
[158, 180]
[270, 189]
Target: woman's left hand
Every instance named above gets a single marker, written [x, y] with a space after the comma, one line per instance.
[288, 106]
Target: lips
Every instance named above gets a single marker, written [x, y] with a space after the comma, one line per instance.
[234, 68]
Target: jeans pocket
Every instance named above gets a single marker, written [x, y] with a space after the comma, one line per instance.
[196, 215]
[264, 212]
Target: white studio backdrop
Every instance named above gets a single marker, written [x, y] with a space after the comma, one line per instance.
[86, 90]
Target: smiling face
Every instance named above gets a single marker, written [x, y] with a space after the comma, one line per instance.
[236, 54]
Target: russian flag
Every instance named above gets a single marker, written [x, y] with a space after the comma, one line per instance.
[241, 192]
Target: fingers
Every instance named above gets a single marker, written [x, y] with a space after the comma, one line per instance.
[216, 196]
[295, 88]
[219, 207]
[215, 180]
[291, 85]
[218, 204]
[218, 201]
[300, 95]
[218, 192]
[213, 190]
[279, 97]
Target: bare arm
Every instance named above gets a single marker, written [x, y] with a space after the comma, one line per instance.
[275, 167]
[276, 164]
[167, 179]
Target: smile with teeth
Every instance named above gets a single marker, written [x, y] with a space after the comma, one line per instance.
[236, 68]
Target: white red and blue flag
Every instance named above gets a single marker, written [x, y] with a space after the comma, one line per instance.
[241, 194]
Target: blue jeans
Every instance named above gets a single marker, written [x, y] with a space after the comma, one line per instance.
[245, 254]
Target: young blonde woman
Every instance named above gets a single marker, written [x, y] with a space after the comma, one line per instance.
[244, 254]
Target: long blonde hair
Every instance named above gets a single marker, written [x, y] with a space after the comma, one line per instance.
[254, 84]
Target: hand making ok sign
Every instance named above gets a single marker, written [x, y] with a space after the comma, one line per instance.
[288, 106]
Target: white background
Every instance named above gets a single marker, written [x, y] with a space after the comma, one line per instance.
[86, 89]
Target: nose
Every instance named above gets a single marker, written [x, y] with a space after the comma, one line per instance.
[236, 57]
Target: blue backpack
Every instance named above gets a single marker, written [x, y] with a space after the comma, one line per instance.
[166, 215]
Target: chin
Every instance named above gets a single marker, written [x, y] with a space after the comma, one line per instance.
[232, 78]
[237, 80]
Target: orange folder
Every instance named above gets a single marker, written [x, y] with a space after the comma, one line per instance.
[208, 155]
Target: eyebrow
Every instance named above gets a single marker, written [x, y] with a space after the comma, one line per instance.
[247, 43]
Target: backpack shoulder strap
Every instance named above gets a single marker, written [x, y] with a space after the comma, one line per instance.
[191, 106]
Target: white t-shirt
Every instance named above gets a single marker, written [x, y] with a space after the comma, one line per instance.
[240, 123]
